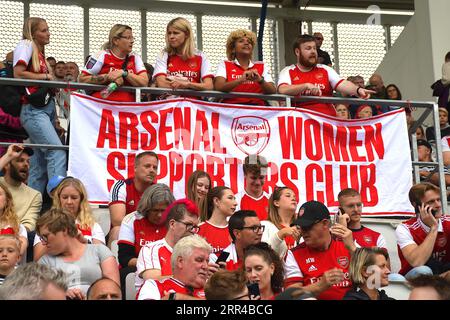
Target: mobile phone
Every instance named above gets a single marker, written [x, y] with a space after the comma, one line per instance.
[337, 215]
[223, 257]
[253, 289]
[419, 204]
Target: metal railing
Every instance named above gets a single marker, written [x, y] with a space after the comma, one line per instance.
[429, 108]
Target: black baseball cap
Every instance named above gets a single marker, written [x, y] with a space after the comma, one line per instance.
[310, 213]
[425, 143]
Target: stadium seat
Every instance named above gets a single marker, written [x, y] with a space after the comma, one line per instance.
[130, 289]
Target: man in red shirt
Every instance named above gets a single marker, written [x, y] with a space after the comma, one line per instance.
[154, 259]
[350, 206]
[253, 197]
[423, 242]
[320, 263]
[308, 78]
[125, 194]
[189, 259]
[245, 229]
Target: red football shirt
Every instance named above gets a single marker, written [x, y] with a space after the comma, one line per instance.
[414, 231]
[322, 76]
[124, 191]
[232, 70]
[154, 289]
[218, 237]
[259, 205]
[308, 266]
[368, 238]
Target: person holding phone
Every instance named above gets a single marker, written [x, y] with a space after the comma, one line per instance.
[264, 270]
[423, 242]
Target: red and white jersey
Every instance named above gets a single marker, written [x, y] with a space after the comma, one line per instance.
[104, 62]
[259, 205]
[414, 231]
[124, 191]
[368, 238]
[155, 255]
[154, 289]
[308, 266]
[22, 55]
[232, 262]
[7, 229]
[137, 231]
[218, 237]
[96, 232]
[195, 69]
[232, 70]
[445, 143]
[321, 75]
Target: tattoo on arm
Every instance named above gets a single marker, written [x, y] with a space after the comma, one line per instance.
[97, 79]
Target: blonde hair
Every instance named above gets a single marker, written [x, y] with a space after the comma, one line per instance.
[273, 216]
[361, 259]
[84, 214]
[188, 49]
[236, 35]
[115, 32]
[9, 216]
[191, 191]
[13, 237]
[29, 28]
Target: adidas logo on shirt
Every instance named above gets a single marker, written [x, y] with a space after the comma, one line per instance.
[312, 268]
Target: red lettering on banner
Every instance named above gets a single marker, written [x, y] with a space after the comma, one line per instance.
[354, 143]
[215, 168]
[335, 147]
[114, 162]
[311, 182]
[217, 148]
[164, 130]
[107, 130]
[271, 177]
[148, 141]
[198, 159]
[127, 124]
[315, 152]
[234, 166]
[176, 168]
[329, 190]
[288, 173]
[374, 139]
[162, 167]
[291, 137]
[201, 134]
[368, 189]
[182, 127]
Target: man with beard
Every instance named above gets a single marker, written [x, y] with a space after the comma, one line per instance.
[125, 194]
[27, 201]
[308, 78]
[154, 259]
[189, 262]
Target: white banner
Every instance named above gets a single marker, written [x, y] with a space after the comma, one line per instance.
[315, 155]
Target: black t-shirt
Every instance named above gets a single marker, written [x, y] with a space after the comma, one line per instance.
[324, 57]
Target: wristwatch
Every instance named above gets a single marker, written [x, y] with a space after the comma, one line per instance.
[172, 296]
[125, 73]
[262, 80]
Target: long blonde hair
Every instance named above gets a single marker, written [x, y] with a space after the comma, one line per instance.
[188, 50]
[29, 28]
[84, 215]
[115, 32]
[191, 191]
[9, 216]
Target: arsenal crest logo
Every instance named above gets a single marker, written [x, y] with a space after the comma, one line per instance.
[250, 134]
[367, 239]
[441, 241]
[343, 262]
[193, 64]
[319, 76]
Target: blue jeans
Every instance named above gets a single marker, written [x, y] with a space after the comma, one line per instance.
[45, 163]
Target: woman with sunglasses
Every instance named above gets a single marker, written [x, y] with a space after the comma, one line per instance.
[278, 232]
[221, 204]
[83, 263]
[116, 63]
[263, 266]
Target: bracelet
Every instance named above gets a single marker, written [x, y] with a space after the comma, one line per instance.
[262, 80]
[125, 73]
[357, 91]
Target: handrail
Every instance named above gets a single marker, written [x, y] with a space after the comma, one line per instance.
[428, 106]
[216, 94]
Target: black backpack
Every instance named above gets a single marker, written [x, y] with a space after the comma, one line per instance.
[10, 96]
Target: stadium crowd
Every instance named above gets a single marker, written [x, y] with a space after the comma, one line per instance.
[213, 244]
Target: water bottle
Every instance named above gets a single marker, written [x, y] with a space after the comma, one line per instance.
[108, 90]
